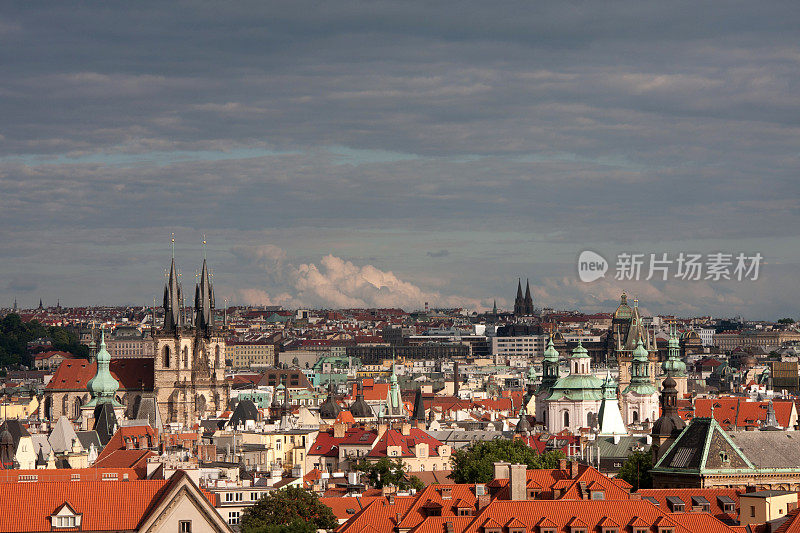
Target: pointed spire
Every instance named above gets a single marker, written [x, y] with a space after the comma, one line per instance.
[204, 298]
[419, 407]
[528, 299]
[173, 297]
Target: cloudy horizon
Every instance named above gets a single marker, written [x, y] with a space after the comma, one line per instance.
[347, 154]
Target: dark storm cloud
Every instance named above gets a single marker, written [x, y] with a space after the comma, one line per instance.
[577, 123]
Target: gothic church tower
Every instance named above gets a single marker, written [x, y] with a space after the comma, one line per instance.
[189, 358]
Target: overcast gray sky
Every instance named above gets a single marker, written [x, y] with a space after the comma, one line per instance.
[391, 153]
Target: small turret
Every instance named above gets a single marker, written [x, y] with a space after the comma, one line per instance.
[103, 386]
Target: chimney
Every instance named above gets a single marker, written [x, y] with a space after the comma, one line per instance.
[482, 501]
[339, 430]
[382, 429]
[501, 470]
[518, 479]
[405, 429]
[573, 469]
[562, 464]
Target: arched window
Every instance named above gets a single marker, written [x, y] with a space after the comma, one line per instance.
[78, 405]
[216, 356]
[166, 357]
[590, 420]
[185, 357]
[48, 408]
[566, 419]
[635, 417]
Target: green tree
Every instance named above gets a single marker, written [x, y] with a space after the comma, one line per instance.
[636, 470]
[786, 321]
[387, 472]
[15, 335]
[294, 508]
[475, 464]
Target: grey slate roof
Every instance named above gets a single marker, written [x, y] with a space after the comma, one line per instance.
[87, 438]
[769, 449]
[245, 410]
[146, 408]
[62, 435]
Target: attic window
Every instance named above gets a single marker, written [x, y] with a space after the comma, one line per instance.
[65, 517]
[597, 495]
[675, 504]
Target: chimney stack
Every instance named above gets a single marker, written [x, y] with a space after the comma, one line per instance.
[501, 470]
[518, 480]
[573, 469]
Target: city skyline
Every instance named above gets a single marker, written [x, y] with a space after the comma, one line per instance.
[343, 156]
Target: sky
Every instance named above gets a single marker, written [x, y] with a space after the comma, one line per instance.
[351, 154]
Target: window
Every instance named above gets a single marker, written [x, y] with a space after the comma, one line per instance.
[185, 526]
[65, 521]
[233, 518]
[238, 496]
[752, 511]
[598, 495]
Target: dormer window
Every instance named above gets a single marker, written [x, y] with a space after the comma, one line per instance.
[65, 517]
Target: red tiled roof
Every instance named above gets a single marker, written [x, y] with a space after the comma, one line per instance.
[433, 496]
[711, 495]
[792, 524]
[393, 437]
[135, 460]
[63, 475]
[132, 373]
[104, 505]
[741, 412]
[346, 507]
[326, 445]
[141, 437]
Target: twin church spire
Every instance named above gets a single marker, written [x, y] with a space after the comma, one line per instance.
[523, 305]
[174, 319]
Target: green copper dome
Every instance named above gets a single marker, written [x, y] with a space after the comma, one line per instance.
[640, 352]
[551, 354]
[579, 352]
[609, 387]
[103, 387]
[673, 365]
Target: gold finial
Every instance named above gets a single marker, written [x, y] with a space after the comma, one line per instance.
[204, 246]
[173, 245]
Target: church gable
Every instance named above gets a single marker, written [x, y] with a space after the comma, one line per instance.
[686, 453]
[723, 453]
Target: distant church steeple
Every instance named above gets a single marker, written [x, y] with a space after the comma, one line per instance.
[204, 300]
[173, 295]
[528, 298]
[523, 305]
[519, 302]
